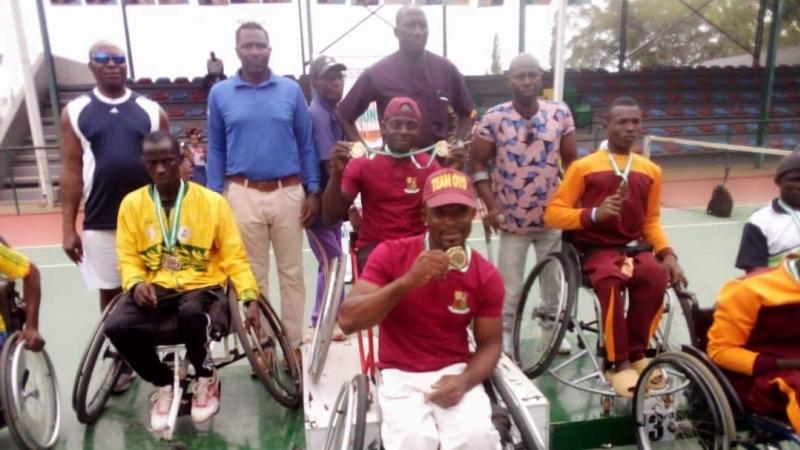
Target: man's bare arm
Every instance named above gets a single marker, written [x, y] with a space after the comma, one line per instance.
[71, 188]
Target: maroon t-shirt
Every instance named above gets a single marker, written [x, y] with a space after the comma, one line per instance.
[434, 84]
[427, 330]
[391, 196]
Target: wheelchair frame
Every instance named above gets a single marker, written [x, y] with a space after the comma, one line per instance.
[347, 423]
[17, 386]
[727, 409]
[567, 318]
[246, 345]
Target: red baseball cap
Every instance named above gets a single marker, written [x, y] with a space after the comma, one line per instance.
[448, 187]
[402, 107]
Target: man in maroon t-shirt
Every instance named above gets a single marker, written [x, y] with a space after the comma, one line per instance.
[424, 291]
[389, 184]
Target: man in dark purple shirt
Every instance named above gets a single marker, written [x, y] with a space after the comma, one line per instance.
[434, 82]
[327, 79]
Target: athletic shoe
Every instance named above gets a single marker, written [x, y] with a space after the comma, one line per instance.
[565, 348]
[205, 399]
[126, 376]
[161, 401]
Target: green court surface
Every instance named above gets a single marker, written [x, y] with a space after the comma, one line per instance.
[250, 419]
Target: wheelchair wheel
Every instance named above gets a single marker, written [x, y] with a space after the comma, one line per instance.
[348, 422]
[327, 320]
[520, 416]
[271, 355]
[98, 371]
[690, 412]
[544, 313]
[29, 395]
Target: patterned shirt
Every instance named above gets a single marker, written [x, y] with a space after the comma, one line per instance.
[526, 162]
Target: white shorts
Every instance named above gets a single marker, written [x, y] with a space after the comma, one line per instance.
[99, 266]
[408, 421]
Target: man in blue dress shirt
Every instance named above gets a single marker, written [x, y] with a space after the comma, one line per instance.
[261, 155]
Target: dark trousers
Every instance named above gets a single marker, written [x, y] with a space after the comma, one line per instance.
[627, 337]
[135, 331]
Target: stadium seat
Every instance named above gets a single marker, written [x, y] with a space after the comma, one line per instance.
[176, 129]
[163, 80]
[718, 96]
[691, 130]
[197, 96]
[689, 97]
[198, 80]
[690, 112]
[780, 110]
[675, 130]
[675, 112]
[181, 80]
[178, 96]
[750, 111]
[158, 96]
[657, 131]
[196, 112]
[790, 143]
[705, 111]
[656, 113]
[176, 112]
[658, 98]
[720, 111]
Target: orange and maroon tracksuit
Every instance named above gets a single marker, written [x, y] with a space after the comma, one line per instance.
[756, 324]
[586, 184]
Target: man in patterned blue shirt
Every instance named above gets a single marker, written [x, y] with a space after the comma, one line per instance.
[527, 137]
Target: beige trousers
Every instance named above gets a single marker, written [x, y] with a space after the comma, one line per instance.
[273, 218]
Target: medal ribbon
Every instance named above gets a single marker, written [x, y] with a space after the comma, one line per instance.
[620, 173]
[371, 152]
[793, 213]
[791, 266]
[170, 235]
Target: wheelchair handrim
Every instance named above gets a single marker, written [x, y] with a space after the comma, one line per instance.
[723, 425]
[17, 399]
[559, 317]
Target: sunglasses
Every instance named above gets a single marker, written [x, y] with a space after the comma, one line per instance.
[104, 58]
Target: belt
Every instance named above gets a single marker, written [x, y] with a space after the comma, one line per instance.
[266, 186]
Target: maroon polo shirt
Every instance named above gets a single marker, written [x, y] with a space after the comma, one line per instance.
[434, 84]
[391, 196]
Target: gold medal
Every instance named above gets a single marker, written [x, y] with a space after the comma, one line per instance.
[458, 257]
[442, 149]
[357, 150]
[171, 263]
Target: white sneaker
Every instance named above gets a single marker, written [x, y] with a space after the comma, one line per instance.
[205, 400]
[565, 347]
[160, 401]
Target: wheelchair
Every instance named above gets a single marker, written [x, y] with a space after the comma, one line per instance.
[29, 397]
[549, 310]
[270, 355]
[699, 408]
[347, 427]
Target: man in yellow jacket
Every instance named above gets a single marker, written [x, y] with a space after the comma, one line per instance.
[177, 245]
[755, 339]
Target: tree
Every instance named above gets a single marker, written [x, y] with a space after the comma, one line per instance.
[687, 42]
[496, 68]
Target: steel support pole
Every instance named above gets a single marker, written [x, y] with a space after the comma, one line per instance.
[759, 42]
[623, 35]
[32, 106]
[131, 71]
[522, 4]
[302, 39]
[52, 79]
[558, 68]
[444, 28]
[769, 75]
[310, 33]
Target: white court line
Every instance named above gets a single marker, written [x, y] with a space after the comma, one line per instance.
[56, 266]
[475, 239]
